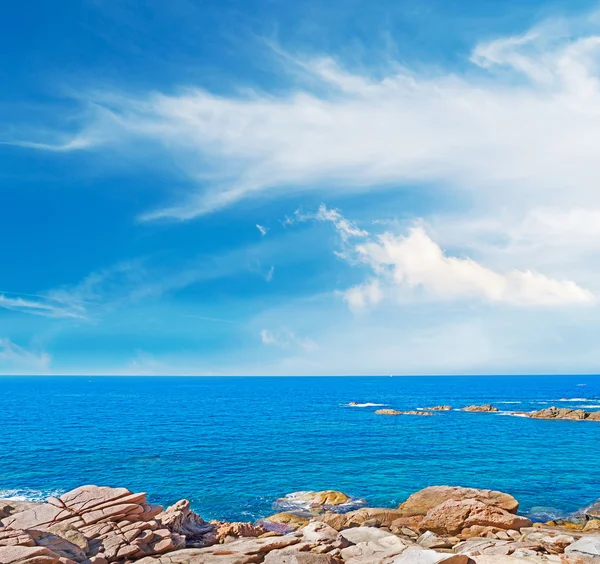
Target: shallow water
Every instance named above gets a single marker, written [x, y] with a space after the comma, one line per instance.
[234, 445]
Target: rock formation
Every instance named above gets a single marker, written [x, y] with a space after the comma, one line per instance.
[480, 408]
[564, 413]
[440, 524]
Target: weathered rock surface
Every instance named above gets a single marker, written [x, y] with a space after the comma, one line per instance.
[456, 517]
[375, 516]
[181, 520]
[242, 551]
[325, 498]
[430, 540]
[286, 521]
[374, 552]
[587, 546]
[414, 555]
[480, 408]
[293, 557]
[30, 555]
[422, 501]
[564, 413]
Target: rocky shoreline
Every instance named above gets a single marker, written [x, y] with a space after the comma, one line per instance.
[453, 525]
[553, 412]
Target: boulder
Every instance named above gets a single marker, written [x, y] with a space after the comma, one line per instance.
[452, 516]
[295, 557]
[241, 551]
[227, 531]
[586, 546]
[181, 520]
[286, 521]
[417, 555]
[357, 535]
[439, 408]
[374, 552]
[480, 408]
[320, 533]
[422, 501]
[17, 537]
[431, 540]
[377, 516]
[307, 499]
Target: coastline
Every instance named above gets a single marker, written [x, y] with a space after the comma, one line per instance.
[456, 525]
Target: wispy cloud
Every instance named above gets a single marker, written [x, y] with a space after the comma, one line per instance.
[496, 129]
[46, 306]
[18, 360]
[263, 230]
[286, 339]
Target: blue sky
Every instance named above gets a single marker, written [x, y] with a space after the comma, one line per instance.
[276, 187]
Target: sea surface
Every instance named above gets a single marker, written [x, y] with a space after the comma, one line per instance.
[232, 446]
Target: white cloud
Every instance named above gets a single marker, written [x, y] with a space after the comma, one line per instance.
[45, 306]
[17, 360]
[416, 262]
[520, 126]
[263, 230]
[287, 339]
[270, 273]
[364, 295]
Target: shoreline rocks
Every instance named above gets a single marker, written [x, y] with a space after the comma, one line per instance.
[438, 408]
[450, 524]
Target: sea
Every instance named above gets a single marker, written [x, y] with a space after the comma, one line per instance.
[233, 446]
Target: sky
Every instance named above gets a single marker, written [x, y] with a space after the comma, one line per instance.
[267, 187]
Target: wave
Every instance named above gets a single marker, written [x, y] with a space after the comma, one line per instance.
[368, 404]
[575, 399]
[509, 402]
[29, 495]
[544, 514]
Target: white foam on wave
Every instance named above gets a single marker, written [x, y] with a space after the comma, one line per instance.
[368, 404]
[29, 495]
[574, 399]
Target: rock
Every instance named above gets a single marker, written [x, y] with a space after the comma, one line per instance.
[181, 520]
[15, 538]
[480, 408]
[564, 413]
[241, 551]
[285, 521]
[422, 501]
[396, 412]
[374, 552]
[413, 523]
[452, 516]
[306, 500]
[439, 408]
[593, 525]
[59, 545]
[415, 555]
[30, 555]
[318, 532]
[226, 531]
[294, 557]
[71, 534]
[381, 517]
[587, 546]
[357, 535]
[431, 540]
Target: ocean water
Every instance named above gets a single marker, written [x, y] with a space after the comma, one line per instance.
[232, 446]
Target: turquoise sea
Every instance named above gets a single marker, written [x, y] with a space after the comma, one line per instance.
[234, 445]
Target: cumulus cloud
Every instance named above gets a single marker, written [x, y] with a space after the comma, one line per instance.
[520, 125]
[17, 360]
[364, 295]
[417, 262]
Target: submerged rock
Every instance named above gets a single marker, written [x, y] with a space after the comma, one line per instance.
[326, 499]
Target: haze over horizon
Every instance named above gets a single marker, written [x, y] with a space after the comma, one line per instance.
[251, 187]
